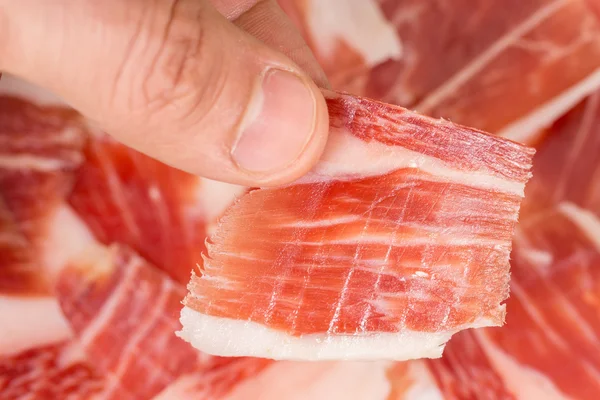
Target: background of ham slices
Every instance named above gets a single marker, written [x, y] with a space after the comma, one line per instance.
[97, 241]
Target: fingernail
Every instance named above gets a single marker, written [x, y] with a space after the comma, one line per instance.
[283, 123]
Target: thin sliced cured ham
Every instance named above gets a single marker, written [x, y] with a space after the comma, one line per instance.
[567, 166]
[549, 346]
[399, 238]
[112, 186]
[554, 262]
[40, 148]
[509, 67]
[66, 331]
[163, 213]
[124, 313]
[48, 373]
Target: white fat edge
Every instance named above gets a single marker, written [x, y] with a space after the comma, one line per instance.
[483, 59]
[522, 381]
[12, 85]
[68, 135]
[72, 353]
[423, 386]
[223, 337]
[31, 162]
[586, 220]
[359, 23]
[347, 157]
[30, 322]
[212, 199]
[537, 257]
[332, 380]
[527, 128]
[70, 241]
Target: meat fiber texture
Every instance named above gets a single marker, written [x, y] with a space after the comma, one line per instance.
[509, 67]
[398, 238]
[522, 69]
[83, 314]
[549, 347]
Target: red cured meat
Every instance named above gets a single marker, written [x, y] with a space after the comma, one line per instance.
[554, 306]
[550, 45]
[18, 272]
[549, 345]
[415, 243]
[124, 313]
[39, 152]
[476, 30]
[119, 308]
[47, 373]
[127, 197]
[102, 361]
[567, 166]
[465, 359]
[40, 148]
[508, 67]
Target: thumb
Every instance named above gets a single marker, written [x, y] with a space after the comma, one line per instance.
[175, 80]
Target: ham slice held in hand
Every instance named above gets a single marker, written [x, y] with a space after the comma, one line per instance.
[399, 238]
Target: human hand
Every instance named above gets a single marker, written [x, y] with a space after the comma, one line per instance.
[196, 84]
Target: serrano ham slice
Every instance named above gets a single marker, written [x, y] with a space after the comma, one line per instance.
[399, 238]
[548, 348]
[68, 328]
[40, 149]
[508, 67]
[48, 372]
[124, 314]
[127, 197]
[413, 53]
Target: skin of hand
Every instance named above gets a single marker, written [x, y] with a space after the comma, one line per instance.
[225, 89]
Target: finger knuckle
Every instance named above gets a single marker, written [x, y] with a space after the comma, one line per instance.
[176, 72]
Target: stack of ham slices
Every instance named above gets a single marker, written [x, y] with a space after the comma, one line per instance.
[348, 283]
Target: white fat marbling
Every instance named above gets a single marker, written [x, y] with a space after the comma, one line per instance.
[423, 385]
[212, 198]
[586, 220]
[522, 381]
[68, 239]
[31, 162]
[526, 129]
[27, 323]
[359, 23]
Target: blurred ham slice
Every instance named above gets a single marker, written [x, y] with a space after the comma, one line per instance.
[549, 346]
[507, 67]
[124, 315]
[399, 238]
[69, 325]
[40, 149]
[48, 372]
